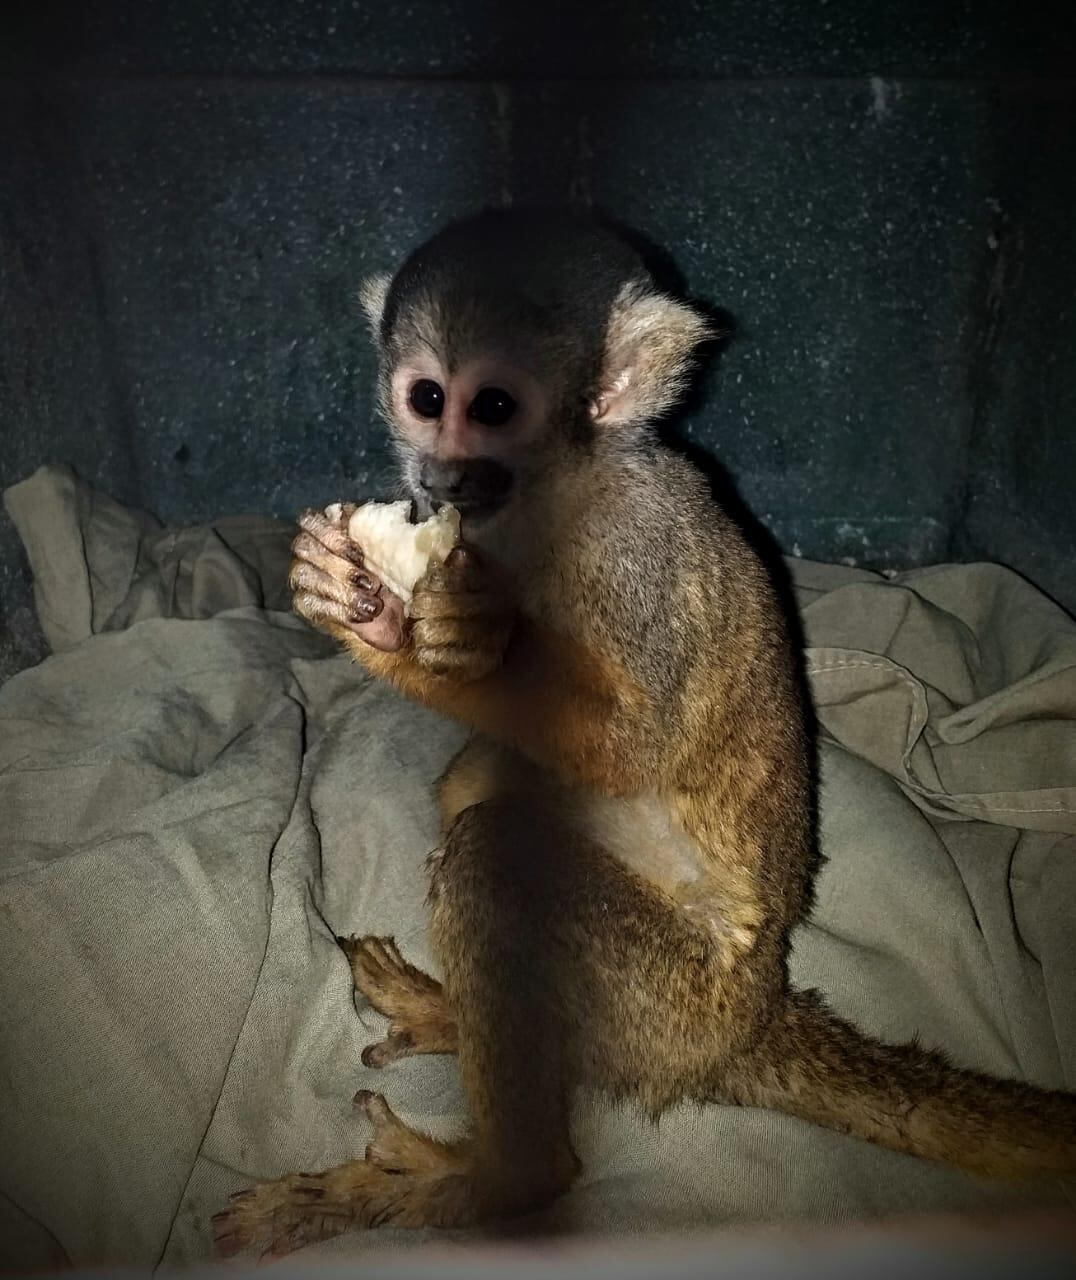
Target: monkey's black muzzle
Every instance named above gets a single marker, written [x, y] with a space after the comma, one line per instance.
[476, 487]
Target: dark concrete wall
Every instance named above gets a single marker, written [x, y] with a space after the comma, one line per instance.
[882, 195]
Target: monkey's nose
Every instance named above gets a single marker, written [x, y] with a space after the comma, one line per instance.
[443, 480]
[469, 483]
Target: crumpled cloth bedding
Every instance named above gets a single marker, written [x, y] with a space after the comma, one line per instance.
[198, 792]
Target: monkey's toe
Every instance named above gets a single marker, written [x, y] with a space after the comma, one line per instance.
[397, 1149]
[391, 1049]
[276, 1218]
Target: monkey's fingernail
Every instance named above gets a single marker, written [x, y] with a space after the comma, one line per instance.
[368, 606]
[364, 582]
[458, 558]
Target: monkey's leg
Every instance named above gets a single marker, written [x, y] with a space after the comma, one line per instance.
[563, 968]
[420, 1019]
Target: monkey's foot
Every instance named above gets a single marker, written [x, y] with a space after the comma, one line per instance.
[420, 1020]
[407, 1180]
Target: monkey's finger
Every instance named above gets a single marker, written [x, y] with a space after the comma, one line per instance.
[345, 510]
[458, 604]
[361, 605]
[477, 632]
[463, 558]
[333, 536]
[319, 609]
[477, 568]
[387, 631]
[305, 547]
[464, 663]
[461, 571]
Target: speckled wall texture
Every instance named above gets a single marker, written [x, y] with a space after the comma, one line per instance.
[881, 195]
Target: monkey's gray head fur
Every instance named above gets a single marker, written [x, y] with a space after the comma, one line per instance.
[511, 334]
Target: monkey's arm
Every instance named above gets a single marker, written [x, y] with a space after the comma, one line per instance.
[577, 715]
[468, 655]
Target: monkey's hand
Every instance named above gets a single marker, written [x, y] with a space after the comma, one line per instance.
[334, 590]
[462, 618]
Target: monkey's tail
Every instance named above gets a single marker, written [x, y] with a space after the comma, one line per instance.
[812, 1064]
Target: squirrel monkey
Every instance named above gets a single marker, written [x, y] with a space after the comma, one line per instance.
[628, 836]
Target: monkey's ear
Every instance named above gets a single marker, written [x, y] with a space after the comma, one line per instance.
[372, 294]
[649, 352]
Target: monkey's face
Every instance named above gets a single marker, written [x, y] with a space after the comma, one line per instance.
[510, 345]
[471, 435]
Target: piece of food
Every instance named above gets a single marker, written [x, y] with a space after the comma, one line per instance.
[397, 551]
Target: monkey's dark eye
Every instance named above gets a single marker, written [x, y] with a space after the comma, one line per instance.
[426, 398]
[492, 407]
